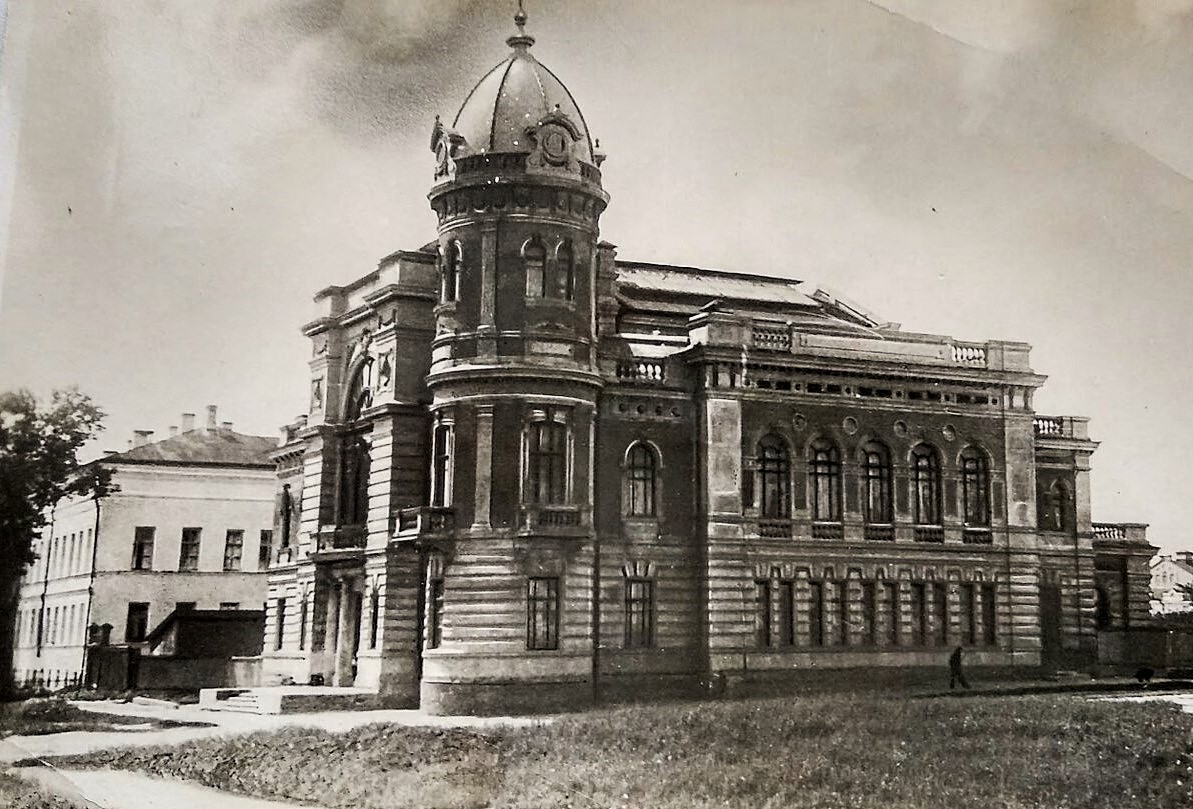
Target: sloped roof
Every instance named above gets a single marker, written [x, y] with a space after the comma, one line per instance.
[211, 447]
[711, 284]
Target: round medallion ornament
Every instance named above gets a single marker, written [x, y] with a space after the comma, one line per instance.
[849, 425]
[901, 429]
[799, 422]
[949, 432]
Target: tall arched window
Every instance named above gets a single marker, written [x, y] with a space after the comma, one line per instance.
[641, 481]
[925, 476]
[564, 271]
[534, 259]
[546, 459]
[453, 266]
[824, 474]
[1056, 508]
[354, 481]
[975, 488]
[442, 441]
[360, 391]
[774, 471]
[876, 468]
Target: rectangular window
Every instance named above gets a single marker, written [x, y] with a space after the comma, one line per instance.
[786, 614]
[434, 613]
[989, 615]
[233, 550]
[639, 613]
[143, 547]
[136, 627]
[919, 615]
[940, 613]
[967, 618]
[891, 593]
[869, 614]
[815, 613]
[762, 637]
[265, 549]
[546, 459]
[280, 635]
[229, 605]
[542, 613]
[188, 555]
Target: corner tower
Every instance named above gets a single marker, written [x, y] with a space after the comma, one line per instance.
[509, 541]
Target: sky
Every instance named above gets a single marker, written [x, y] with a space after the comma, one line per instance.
[178, 179]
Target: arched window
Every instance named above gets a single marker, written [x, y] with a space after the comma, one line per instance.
[975, 488]
[360, 391]
[641, 481]
[1056, 508]
[925, 476]
[564, 271]
[546, 459]
[876, 467]
[441, 463]
[824, 474]
[774, 470]
[534, 259]
[354, 481]
[453, 266]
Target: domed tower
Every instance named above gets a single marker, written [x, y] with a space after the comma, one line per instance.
[514, 381]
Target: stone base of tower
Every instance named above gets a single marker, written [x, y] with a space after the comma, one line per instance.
[486, 685]
[499, 698]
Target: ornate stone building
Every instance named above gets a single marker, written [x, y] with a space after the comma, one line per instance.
[533, 474]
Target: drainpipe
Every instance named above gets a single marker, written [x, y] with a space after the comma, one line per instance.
[45, 586]
[90, 593]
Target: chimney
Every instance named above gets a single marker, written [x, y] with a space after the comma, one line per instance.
[141, 437]
[211, 417]
[188, 422]
[225, 425]
[173, 430]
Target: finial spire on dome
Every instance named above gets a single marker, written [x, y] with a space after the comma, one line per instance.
[520, 40]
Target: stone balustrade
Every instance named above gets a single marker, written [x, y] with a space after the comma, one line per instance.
[340, 538]
[641, 370]
[1120, 531]
[969, 354]
[1061, 427]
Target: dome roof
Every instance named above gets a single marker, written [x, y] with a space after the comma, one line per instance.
[514, 96]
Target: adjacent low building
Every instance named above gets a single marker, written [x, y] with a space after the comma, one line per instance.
[1172, 583]
[189, 527]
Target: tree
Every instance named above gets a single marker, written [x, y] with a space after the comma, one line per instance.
[38, 467]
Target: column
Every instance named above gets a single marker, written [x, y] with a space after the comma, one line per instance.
[484, 467]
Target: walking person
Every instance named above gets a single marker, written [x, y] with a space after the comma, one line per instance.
[956, 675]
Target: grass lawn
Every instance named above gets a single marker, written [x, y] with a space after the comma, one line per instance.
[17, 794]
[831, 751]
[35, 717]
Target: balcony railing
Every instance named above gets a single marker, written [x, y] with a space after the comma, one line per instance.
[828, 530]
[1060, 427]
[977, 536]
[342, 538]
[424, 521]
[969, 354]
[566, 519]
[1110, 530]
[641, 370]
[880, 533]
[772, 338]
[774, 528]
[929, 533]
